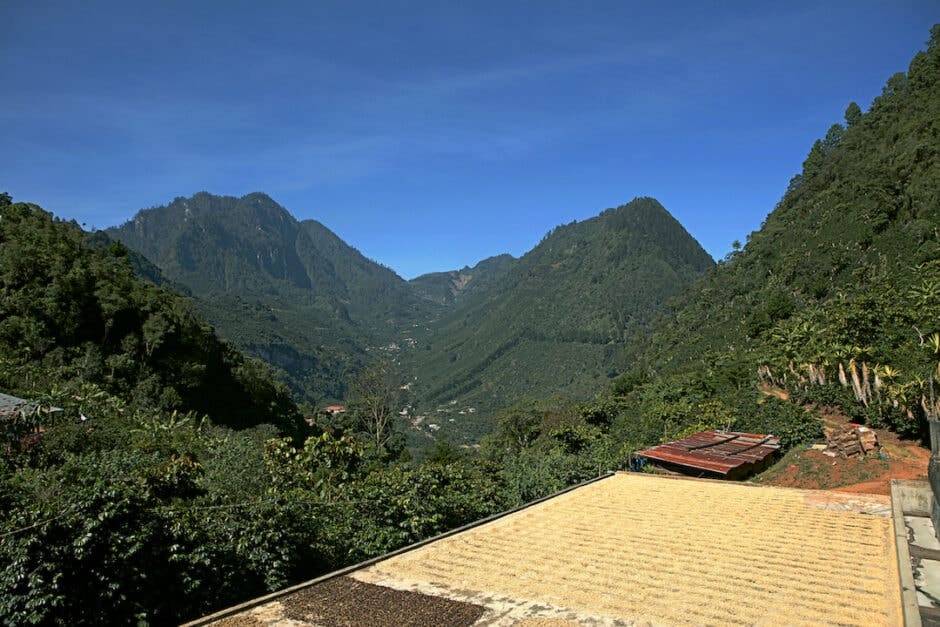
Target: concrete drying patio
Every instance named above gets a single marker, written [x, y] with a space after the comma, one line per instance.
[636, 548]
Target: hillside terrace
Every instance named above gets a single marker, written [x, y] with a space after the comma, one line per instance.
[626, 549]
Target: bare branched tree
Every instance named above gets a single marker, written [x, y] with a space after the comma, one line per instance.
[373, 396]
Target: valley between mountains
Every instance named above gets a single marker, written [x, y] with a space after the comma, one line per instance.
[560, 321]
[166, 453]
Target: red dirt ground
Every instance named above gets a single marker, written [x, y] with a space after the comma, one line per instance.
[807, 468]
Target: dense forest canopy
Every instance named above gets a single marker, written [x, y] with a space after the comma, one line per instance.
[157, 473]
[179, 477]
[71, 309]
[842, 282]
[295, 295]
[290, 292]
[560, 320]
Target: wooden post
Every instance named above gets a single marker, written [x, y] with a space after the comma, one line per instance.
[933, 467]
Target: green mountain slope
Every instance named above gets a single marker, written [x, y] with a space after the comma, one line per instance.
[555, 322]
[448, 288]
[374, 296]
[71, 309]
[837, 296]
[289, 292]
[144, 515]
[120, 503]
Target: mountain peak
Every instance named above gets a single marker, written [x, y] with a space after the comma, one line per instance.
[292, 293]
[295, 294]
[555, 321]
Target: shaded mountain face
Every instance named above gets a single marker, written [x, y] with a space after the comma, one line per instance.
[217, 244]
[557, 321]
[221, 244]
[73, 310]
[289, 292]
[374, 295]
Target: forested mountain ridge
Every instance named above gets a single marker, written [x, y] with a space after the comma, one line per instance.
[71, 308]
[154, 473]
[854, 233]
[559, 320]
[373, 294]
[130, 506]
[289, 292]
[447, 288]
[127, 507]
[837, 296]
[218, 243]
[296, 295]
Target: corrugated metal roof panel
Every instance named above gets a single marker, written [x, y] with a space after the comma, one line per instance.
[10, 406]
[720, 452]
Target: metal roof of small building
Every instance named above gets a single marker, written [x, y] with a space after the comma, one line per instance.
[10, 406]
[731, 454]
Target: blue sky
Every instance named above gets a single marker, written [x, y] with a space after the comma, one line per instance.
[431, 135]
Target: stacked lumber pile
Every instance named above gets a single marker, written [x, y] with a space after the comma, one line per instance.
[850, 440]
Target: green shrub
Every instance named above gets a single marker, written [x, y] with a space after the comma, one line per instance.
[784, 419]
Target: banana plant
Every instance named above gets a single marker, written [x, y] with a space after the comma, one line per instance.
[932, 344]
[925, 294]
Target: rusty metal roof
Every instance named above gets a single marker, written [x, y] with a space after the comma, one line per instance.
[725, 453]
